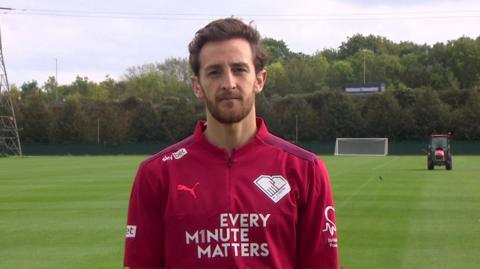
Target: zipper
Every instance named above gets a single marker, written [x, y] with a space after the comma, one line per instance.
[229, 160]
[229, 180]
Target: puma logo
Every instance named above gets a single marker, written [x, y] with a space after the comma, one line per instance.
[191, 190]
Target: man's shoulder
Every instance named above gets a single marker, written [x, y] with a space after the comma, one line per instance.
[172, 152]
[290, 148]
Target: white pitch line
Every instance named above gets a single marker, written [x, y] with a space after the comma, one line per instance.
[365, 183]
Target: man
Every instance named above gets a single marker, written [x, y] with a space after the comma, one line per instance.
[232, 195]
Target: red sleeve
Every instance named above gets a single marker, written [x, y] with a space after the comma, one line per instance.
[144, 242]
[317, 236]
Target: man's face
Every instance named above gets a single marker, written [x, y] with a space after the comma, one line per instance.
[227, 81]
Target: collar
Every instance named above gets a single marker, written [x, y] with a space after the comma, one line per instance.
[262, 133]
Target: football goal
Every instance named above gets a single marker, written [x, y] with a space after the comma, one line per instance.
[361, 146]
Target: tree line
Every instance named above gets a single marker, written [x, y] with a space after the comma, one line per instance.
[428, 89]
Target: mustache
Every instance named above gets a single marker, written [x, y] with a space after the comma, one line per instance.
[228, 95]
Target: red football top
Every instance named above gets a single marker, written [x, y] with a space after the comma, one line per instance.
[268, 205]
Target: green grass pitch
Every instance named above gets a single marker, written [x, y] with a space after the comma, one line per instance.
[69, 212]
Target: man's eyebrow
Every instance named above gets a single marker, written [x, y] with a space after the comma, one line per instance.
[219, 66]
[212, 67]
[240, 64]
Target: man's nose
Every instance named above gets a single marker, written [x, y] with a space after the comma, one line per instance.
[228, 82]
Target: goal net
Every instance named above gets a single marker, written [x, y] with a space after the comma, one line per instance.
[361, 146]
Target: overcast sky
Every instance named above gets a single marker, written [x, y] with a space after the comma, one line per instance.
[98, 38]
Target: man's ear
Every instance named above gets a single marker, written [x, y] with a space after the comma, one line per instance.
[197, 89]
[260, 80]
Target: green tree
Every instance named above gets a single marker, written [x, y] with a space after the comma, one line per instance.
[276, 50]
[81, 87]
[276, 79]
[338, 114]
[69, 122]
[30, 88]
[175, 69]
[34, 119]
[464, 61]
[287, 113]
[340, 72]
[178, 115]
[330, 54]
[441, 77]
[413, 71]
[176, 76]
[381, 115]
[358, 42]
[103, 90]
[467, 117]
[405, 96]
[319, 67]
[296, 78]
[144, 125]
[387, 69]
[50, 87]
[148, 83]
[103, 122]
[363, 64]
[110, 122]
[455, 98]
[431, 114]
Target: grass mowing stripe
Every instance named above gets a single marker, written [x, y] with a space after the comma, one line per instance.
[69, 212]
[446, 223]
[375, 175]
[64, 212]
[373, 221]
[413, 218]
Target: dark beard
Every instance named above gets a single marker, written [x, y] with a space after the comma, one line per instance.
[232, 116]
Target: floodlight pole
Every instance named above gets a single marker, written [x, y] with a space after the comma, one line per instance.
[98, 131]
[56, 79]
[364, 80]
[296, 128]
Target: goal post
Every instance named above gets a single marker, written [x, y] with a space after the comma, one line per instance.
[361, 146]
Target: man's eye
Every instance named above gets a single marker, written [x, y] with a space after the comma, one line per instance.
[213, 73]
[240, 70]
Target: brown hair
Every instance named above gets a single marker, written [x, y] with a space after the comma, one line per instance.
[225, 29]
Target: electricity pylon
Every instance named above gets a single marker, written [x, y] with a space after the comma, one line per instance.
[9, 138]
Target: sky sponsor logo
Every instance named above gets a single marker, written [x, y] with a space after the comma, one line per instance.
[177, 155]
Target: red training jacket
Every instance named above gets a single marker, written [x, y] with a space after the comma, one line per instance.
[268, 205]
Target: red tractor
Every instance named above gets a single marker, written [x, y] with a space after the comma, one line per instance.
[439, 151]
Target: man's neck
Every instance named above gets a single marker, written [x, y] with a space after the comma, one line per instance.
[230, 136]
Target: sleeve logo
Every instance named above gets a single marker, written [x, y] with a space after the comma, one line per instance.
[131, 231]
[275, 187]
[329, 224]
